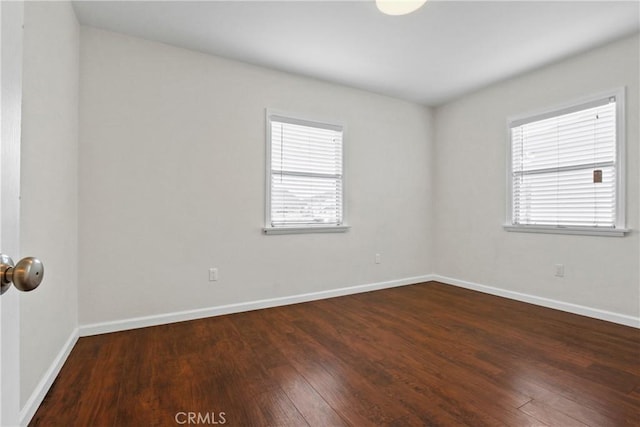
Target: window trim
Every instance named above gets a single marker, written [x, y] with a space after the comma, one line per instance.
[619, 229]
[310, 121]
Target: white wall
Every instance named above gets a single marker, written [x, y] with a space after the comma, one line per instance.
[172, 183]
[470, 189]
[49, 202]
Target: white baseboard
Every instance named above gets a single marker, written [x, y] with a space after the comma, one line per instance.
[162, 319]
[595, 313]
[32, 405]
[30, 408]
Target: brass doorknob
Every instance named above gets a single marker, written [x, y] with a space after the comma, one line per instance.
[26, 275]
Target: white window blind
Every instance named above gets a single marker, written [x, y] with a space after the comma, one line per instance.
[564, 167]
[305, 173]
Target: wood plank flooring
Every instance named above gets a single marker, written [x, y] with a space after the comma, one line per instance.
[427, 354]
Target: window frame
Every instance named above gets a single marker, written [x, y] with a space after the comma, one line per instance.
[619, 229]
[305, 121]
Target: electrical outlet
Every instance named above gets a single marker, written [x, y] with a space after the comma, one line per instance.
[559, 269]
[378, 259]
[213, 274]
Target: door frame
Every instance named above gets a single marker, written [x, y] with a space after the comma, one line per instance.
[11, 35]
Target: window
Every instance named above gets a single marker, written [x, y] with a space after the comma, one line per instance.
[566, 169]
[305, 181]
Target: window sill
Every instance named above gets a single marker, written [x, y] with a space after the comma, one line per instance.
[305, 230]
[583, 231]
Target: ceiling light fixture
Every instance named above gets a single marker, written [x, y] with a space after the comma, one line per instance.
[399, 7]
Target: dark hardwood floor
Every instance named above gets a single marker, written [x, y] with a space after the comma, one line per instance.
[426, 354]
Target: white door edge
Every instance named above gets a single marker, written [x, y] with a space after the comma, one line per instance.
[11, 27]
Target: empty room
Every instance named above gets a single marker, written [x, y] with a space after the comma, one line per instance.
[320, 213]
